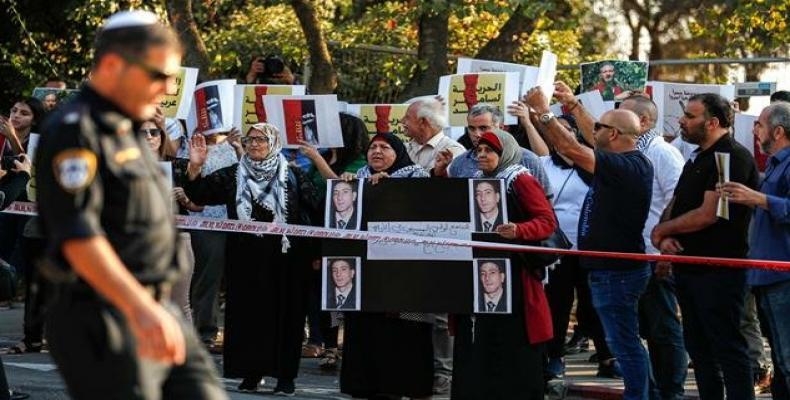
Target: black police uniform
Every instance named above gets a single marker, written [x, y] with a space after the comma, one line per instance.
[96, 177]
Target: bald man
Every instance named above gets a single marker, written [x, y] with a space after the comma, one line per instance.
[612, 219]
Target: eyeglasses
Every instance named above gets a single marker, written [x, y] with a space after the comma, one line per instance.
[253, 139]
[599, 125]
[149, 133]
[153, 73]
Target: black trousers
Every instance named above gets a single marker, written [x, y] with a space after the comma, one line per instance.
[712, 305]
[94, 350]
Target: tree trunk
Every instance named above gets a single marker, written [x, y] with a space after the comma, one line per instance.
[512, 34]
[323, 79]
[183, 21]
[431, 52]
[656, 53]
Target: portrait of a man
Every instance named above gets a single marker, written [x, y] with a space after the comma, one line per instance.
[343, 205]
[341, 287]
[614, 79]
[488, 209]
[492, 277]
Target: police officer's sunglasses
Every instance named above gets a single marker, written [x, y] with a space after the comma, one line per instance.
[153, 73]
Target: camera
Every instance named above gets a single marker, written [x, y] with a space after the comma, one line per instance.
[7, 162]
[272, 65]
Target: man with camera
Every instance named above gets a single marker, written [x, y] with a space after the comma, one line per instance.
[269, 70]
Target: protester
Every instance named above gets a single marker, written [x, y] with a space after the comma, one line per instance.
[270, 70]
[423, 123]
[265, 304]
[770, 238]
[780, 95]
[110, 234]
[572, 184]
[612, 222]
[711, 298]
[26, 114]
[408, 336]
[659, 321]
[501, 356]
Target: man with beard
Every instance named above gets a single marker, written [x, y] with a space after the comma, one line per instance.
[711, 298]
[608, 86]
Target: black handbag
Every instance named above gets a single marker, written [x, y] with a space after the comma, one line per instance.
[7, 281]
[557, 240]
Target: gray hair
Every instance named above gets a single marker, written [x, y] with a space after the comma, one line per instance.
[483, 108]
[432, 110]
[779, 115]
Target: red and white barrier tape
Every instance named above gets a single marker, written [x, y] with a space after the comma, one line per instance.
[269, 228]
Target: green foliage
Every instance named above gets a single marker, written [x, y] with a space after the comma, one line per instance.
[748, 27]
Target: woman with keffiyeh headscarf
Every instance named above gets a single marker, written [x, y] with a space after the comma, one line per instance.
[501, 356]
[387, 356]
[266, 276]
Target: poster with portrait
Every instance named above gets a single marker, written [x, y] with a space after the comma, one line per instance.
[492, 286]
[343, 204]
[527, 74]
[248, 102]
[52, 97]
[462, 91]
[176, 103]
[314, 119]
[744, 134]
[341, 282]
[671, 99]
[381, 118]
[487, 204]
[615, 79]
[212, 108]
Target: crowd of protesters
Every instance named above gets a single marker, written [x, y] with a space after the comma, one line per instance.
[613, 184]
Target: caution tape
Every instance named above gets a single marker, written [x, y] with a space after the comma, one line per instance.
[270, 228]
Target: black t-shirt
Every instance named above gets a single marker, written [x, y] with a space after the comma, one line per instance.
[725, 238]
[96, 177]
[614, 212]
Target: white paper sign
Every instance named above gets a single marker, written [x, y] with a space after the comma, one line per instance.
[178, 103]
[671, 99]
[248, 102]
[212, 108]
[462, 91]
[388, 249]
[547, 73]
[314, 119]
[527, 74]
[723, 169]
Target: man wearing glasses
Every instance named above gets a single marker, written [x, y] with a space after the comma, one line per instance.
[113, 331]
[612, 219]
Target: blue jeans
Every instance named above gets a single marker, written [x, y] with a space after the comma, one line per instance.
[774, 301]
[660, 326]
[615, 296]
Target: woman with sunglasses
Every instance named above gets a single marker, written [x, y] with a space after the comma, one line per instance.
[267, 276]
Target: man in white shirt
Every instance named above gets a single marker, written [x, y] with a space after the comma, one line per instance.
[424, 123]
[492, 280]
[344, 296]
[658, 304]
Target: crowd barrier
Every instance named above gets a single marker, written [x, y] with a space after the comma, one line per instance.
[269, 228]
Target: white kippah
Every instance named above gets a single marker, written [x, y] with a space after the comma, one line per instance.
[127, 19]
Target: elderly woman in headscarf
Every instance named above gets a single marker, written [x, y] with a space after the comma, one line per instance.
[500, 356]
[406, 366]
[266, 276]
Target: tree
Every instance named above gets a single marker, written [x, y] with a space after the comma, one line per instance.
[323, 77]
[431, 51]
[183, 22]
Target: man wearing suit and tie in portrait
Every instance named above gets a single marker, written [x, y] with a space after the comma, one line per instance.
[493, 297]
[488, 213]
[344, 205]
[342, 293]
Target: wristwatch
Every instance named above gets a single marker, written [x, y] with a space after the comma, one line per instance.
[545, 118]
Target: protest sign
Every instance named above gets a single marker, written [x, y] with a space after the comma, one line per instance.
[176, 104]
[51, 97]
[527, 74]
[248, 102]
[462, 91]
[749, 89]
[547, 74]
[212, 108]
[381, 118]
[314, 119]
[341, 282]
[671, 99]
[615, 79]
[743, 132]
[386, 249]
[492, 286]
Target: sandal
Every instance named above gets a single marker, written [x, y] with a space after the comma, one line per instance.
[23, 347]
[330, 359]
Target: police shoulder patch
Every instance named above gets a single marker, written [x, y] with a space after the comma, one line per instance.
[74, 169]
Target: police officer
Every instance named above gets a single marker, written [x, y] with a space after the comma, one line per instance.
[103, 205]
